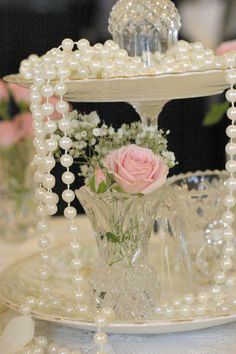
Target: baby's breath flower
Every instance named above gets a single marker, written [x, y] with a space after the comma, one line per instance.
[96, 132]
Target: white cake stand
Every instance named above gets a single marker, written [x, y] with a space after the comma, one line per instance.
[147, 94]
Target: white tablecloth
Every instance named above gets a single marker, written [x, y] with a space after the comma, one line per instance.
[218, 340]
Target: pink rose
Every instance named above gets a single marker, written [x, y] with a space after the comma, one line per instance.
[10, 133]
[136, 169]
[226, 47]
[4, 95]
[19, 93]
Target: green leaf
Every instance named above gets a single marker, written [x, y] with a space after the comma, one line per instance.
[215, 114]
[102, 188]
[92, 183]
[112, 237]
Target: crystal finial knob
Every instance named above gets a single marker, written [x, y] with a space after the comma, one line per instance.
[143, 27]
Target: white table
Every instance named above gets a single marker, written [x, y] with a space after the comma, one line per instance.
[218, 340]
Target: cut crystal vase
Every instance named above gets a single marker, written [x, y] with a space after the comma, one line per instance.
[123, 279]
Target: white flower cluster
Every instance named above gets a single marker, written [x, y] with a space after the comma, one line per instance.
[93, 140]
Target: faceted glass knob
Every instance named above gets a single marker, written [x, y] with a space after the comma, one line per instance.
[143, 27]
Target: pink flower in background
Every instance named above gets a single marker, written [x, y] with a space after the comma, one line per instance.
[19, 93]
[24, 123]
[4, 95]
[226, 47]
[10, 133]
[137, 169]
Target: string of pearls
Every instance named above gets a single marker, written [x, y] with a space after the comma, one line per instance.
[109, 61]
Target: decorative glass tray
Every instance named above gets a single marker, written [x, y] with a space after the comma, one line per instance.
[21, 280]
[143, 88]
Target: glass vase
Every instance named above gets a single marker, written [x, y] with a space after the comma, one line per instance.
[123, 279]
[200, 197]
[17, 206]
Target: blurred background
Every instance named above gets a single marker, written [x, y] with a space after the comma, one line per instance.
[35, 26]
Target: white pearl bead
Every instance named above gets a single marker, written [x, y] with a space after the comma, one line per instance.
[48, 109]
[41, 150]
[51, 126]
[42, 226]
[62, 107]
[39, 81]
[74, 230]
[231, 166]
[229, 201]
[40, 132]
[228, 217]
[52, 144]
[83, 44]
[31, 300]
[64, 125]
[39, 194]
[60, 89]
[230, 149]
[68, 177]
[49, 181]
[101, 321]
[169, 312]
[49, 163]
[25, 309]
[37, 116]
[42, 341]
[35, 98]
[228, 234]
[231, 184]
[70, 213]
[84, 73]
[200, 310]
[66, 160]
[63, 73]
[68, 196]
[231, 77]
[78, 279]
[53, 348]
[47, 91]
[226, 264]
[44, 273]
[50, 73]
[50, 198]
[75, 247]
[79, 294]
[38, 176]
[44, 257]
[67, 44]
[38, 350]
[189, 299]
[230, 282]
[51, 209]
[202, 297]
[76, 263]
[220, 278]
[231, 95]
[41, 211]
[229, 250]
[231, 113]
[44, 242]
[66, 143]
[73, 63]
[100, 338]
[186, 311]
[229, 60]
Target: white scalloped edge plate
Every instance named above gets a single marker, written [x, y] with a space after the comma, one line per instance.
[163, 87]
[21, 280]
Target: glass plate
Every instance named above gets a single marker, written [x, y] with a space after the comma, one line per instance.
[21, 280]
[143, 88]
